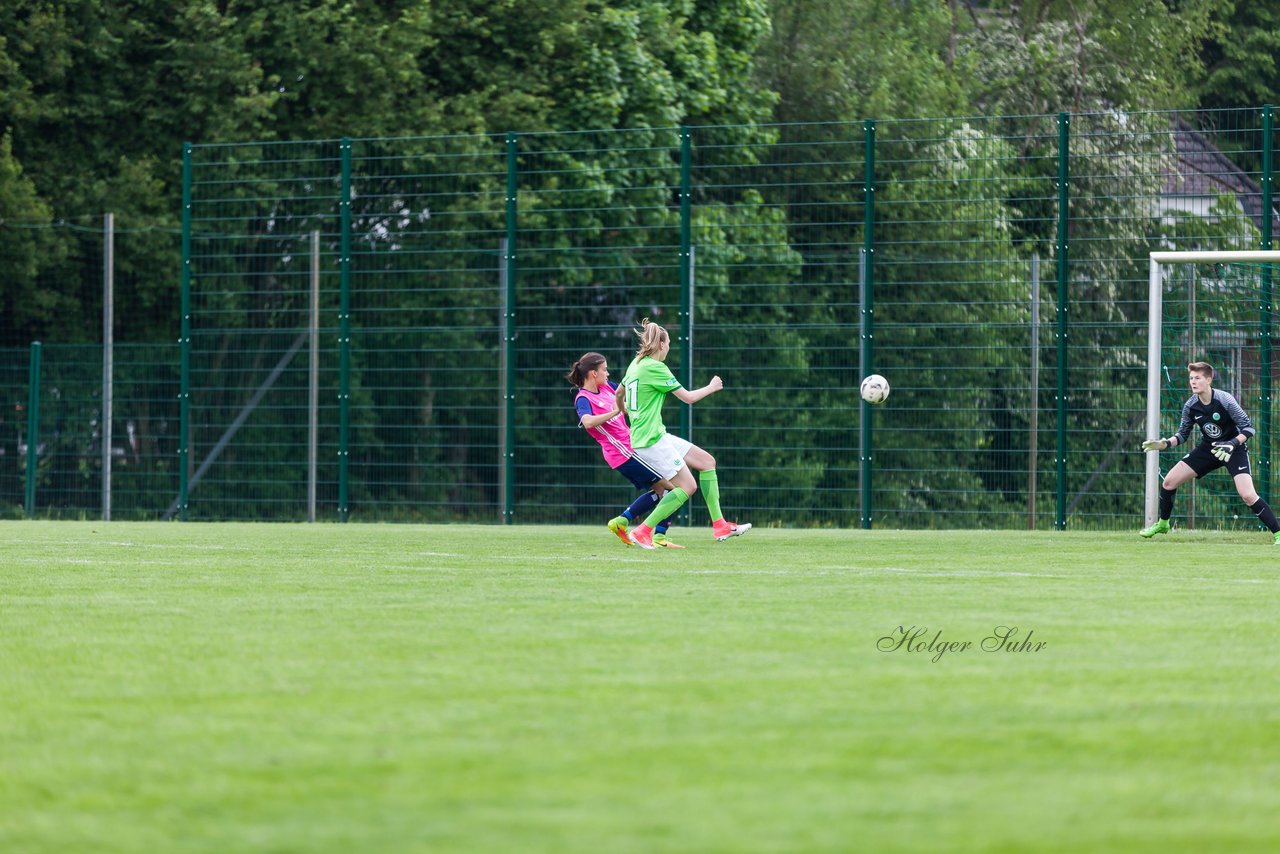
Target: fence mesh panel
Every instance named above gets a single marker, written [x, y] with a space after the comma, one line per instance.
[457, 278]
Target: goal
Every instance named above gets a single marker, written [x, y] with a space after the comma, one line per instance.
[1218, 309]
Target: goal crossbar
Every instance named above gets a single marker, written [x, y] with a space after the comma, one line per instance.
[1155, 331]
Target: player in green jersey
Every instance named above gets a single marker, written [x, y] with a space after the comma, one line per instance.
[646, 385]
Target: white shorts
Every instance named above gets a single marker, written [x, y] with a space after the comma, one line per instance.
[665, 456]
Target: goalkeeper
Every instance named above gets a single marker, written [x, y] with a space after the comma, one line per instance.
[1224, 429]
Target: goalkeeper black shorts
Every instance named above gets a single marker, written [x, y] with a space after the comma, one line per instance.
[1202, 460]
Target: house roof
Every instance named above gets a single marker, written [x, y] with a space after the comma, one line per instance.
[1202, 170]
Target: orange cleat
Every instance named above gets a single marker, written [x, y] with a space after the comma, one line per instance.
[664, 542]
[642, 536]
[723, 530]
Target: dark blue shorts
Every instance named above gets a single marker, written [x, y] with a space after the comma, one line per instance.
[638, 473]
[1202, 460]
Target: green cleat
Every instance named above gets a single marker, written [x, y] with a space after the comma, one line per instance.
[1160, 527]
[1278, 538]
[661, 540]
[618, 525]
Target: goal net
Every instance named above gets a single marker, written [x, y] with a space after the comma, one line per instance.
[1215, 307]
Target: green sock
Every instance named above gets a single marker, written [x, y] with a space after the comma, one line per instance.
[670, 503]
[710, 484]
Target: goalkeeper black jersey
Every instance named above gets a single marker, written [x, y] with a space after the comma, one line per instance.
[1220, 419]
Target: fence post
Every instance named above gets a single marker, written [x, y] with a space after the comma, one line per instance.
[184, 342]
[503, 357]
[866, 306]
[33, 428]
[509, 339]
[1064, 198]
[108, 354]
[313, 377]
[1033, 438]
[1264, 362]
[686, 289]
[344, 329]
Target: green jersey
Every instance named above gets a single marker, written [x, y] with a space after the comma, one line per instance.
[646, 386]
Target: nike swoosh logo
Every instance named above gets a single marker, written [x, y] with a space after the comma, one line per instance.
[1242, 468]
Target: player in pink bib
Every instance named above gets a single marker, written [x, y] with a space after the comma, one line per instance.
[598, 412]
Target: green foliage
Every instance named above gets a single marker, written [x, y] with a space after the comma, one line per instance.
[751, 329]
[952, 308]
[1046, 56]
[26, 309]
[850, 59]
[1240, 56]
[97, 98]
[427, 212]
[1241, 75]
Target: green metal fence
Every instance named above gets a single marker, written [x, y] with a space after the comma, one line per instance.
[377, 328]
[69, 435]
[55, 290]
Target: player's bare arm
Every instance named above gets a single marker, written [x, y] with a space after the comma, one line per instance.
[692, 397]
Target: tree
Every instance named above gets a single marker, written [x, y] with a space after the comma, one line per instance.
[1046, 56]
[596, 207]
[855, 59]
[1239, 56]
[1241, 75]
[26, 308]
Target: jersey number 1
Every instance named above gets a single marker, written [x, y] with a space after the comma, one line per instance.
[633, 395]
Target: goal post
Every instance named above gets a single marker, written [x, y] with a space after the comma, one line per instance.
[1155, 331]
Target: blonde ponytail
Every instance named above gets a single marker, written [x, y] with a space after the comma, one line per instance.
[652, 337]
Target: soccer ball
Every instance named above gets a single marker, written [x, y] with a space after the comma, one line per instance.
[875, 389]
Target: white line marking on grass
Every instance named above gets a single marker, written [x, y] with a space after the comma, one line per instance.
[961, 573]
[641, 558]
[1080, 576]
[805, 572]
[831, 569]
[181, 546]
[408, 567]
[872, 570]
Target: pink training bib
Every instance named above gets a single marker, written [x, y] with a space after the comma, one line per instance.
[613, 435]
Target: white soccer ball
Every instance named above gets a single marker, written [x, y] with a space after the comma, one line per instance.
[875, 389]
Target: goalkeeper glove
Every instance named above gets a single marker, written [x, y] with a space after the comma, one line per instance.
[1224, 450]
[1155, 444]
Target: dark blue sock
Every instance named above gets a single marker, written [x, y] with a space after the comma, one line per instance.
[641, 507]
[664, 524]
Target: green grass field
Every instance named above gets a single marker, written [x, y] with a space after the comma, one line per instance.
[222, 687]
